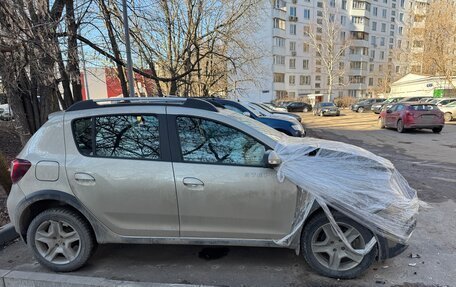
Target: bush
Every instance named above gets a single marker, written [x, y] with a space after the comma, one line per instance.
[344, 102]
[5, 180]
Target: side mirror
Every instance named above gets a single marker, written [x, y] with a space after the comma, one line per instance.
[272, 159]
[247, 114]
[388, 111]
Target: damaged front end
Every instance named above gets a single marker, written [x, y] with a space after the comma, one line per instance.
[353, 181]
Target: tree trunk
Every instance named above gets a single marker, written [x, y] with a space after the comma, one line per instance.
[73, 55]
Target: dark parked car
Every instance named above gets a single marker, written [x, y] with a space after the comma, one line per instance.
[290, 127]
[326, 109]
[412, 99]
[299, 107]
[365, 105]
[267, 109]
[377, 108]
[412, 115]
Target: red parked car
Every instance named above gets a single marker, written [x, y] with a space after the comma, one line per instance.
[403, 116]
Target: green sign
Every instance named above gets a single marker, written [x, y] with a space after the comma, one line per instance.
[438, 93]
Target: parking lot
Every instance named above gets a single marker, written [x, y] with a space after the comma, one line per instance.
[428, 162]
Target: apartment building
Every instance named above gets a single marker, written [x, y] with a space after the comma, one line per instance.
[374, 29]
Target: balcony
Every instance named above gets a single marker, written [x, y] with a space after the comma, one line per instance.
[360, 43]
[360, 12]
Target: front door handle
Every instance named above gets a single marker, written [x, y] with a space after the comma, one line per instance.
[84, 178]
[192, 182]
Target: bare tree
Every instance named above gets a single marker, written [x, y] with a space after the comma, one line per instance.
[431, 39]
[330, 47]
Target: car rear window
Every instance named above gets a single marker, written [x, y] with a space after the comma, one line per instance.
[423, 107]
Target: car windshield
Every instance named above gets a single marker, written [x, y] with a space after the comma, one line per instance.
[327, 104]
[268, 131]
[263, 107]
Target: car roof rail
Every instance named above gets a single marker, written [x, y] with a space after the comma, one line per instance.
[139, 101]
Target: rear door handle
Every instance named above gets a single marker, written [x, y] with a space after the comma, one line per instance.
[192, 182]
[84, 178]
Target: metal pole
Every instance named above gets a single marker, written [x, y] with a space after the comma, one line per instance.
[85, 72]
[131, 85]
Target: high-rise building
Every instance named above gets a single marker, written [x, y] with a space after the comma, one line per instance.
[373, 29]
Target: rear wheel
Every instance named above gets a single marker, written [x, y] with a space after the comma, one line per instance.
[61, 239]
[448, 117]
[360, 110]
[325, 252]
[400, 126]
[437, 130]
[305, 110]
[321, 113]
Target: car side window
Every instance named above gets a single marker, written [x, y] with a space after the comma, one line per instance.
[118, 136]
[399, 108]
[207, 141]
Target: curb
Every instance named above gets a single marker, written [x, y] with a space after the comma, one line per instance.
[7, 234]
[35, 279]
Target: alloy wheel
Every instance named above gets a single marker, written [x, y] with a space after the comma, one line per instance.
[331, 252]
[57, 242]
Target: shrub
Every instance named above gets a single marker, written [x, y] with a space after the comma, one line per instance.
[5, 180]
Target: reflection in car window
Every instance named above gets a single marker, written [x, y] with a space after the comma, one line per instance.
[423, 107]
[233, 108]
[127, 136]
[206, 141]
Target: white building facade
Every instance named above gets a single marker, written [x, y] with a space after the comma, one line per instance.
[294, 70]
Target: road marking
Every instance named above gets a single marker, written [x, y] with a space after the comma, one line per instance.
[444, 179]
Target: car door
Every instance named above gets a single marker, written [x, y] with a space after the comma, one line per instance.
[389, 116]
[224, 190]
[119, 167]
[396, 114]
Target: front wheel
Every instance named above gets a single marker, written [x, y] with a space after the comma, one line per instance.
[305, 110]
[400, 126]
[448, 117]
[381, 123]
[325, 252]
[61, 239]
[360, 110]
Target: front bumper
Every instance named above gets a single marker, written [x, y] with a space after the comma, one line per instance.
[389, 248]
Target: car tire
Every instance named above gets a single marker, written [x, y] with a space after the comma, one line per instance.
[381, 123]
[314, 236]
[61, 239]
[448, 117]
[321, 114]
[400, 126]
[305, 110]
[437, 130]
[360, 110]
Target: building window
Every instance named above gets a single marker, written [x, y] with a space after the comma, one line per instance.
[374, 40]
[400, 30]
[371, 81]
[382, 41]
[372, 54]
[306, 30]
[305, 48]
[279, 78]
[357, 79]
[279, 23]
[291, 79]
[318, 78]
[292, 46]
[280, 4]
[383, 27]
[344, 4]
[306, 13]
[384, 13]
[305, 64]
[374, 26]
[371, 67]
[320, 4]
[293, 29]
[279, 42]
[375, 11]
[382, 55]
[341, 65]
[358, 65]
[343, 20]
[359, 35]
[341, 80]
[279, 60]
[332, 3]
[380, 68]
[292, 63]
[304, 80]
[293, 11]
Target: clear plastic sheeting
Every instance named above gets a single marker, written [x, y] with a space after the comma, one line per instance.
[352, 180]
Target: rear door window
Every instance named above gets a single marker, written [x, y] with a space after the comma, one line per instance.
[118, 136]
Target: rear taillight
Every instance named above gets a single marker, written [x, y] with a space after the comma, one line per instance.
[19, 168]
[409, 115]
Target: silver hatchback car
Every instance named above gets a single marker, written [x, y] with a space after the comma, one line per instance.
[166, 171]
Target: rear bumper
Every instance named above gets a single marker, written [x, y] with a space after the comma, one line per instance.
[330, 113]
[423, 126]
